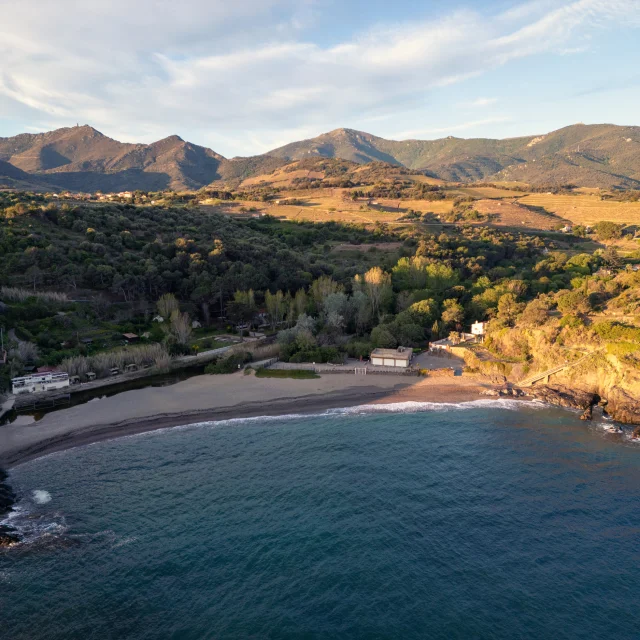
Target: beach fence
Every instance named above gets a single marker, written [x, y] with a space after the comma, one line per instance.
[345, 369]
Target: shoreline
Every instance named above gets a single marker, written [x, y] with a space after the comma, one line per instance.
[88, 423]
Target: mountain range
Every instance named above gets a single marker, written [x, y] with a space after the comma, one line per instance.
[83, 159]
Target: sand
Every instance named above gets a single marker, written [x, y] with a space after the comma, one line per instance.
[210, 398]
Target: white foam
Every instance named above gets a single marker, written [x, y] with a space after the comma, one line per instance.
[418, 407]
[41, 497]
[125, 541]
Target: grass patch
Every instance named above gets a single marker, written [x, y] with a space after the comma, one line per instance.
[296, 374]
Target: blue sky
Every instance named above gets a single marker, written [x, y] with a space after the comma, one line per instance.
[244, 77]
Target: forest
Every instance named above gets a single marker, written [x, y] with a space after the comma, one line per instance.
[75, 278]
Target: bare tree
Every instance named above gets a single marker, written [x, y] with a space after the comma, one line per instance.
[181, 327]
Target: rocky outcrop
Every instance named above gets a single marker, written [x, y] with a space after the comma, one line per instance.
[509, 392]
[565, 397]
[622, 407]
[8, 536]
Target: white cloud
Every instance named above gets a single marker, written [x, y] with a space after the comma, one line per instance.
[244, 72]
[480, 102]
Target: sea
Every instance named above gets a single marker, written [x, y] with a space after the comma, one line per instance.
[490, 519]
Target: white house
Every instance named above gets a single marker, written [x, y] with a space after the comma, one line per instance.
[400, 357]
[479, 329]
[39, 382]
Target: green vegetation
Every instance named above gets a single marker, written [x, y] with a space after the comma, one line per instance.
[75, 280]
[229, 364]
[296, 374]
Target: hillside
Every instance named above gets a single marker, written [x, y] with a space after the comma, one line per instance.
[83, 159]
[587, 155]
[13, 178]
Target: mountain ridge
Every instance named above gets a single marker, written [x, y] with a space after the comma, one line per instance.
[84, 159]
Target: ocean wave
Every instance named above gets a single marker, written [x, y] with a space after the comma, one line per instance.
[409, 406]
[31, 526]
[40, 496]
[413, 406]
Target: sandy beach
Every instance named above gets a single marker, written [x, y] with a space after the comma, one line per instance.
[210, 398]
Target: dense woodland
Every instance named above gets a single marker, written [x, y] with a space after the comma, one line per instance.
[326, 290]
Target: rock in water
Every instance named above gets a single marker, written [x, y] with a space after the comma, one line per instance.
[8, 536]
[588, 414]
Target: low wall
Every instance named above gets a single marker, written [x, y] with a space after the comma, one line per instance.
[383, 371]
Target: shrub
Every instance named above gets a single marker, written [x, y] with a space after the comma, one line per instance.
[296, 374]
[22, 295]
[623, 348]
[615, 331]
[102, 363]
[231, 363]
[606, 230]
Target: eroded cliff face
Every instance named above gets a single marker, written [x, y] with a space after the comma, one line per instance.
[604, 379]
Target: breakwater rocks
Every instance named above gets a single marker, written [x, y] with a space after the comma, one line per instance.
[8, 536]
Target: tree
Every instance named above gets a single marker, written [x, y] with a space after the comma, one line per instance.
[574, 303]
[361, 311]
[517, 287]
[606, 230]
[336, 304]
[276, 308]
[509, 308]
[323, 287]
[167, 305]
[377, 284]
[242, 308]
[35, 276]
[612, 258]
[424, 312]
[300, 304]
[453, 312]
[535, 313]
[440, 278]
[180, 327]
[383, 338]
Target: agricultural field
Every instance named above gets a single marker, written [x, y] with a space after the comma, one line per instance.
[329, 205]
[487, 192]
[281, 178]
[586, 209]
[513, 214]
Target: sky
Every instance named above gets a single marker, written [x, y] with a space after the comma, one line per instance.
[246, 76]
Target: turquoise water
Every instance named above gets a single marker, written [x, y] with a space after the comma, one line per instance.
[476, 522]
